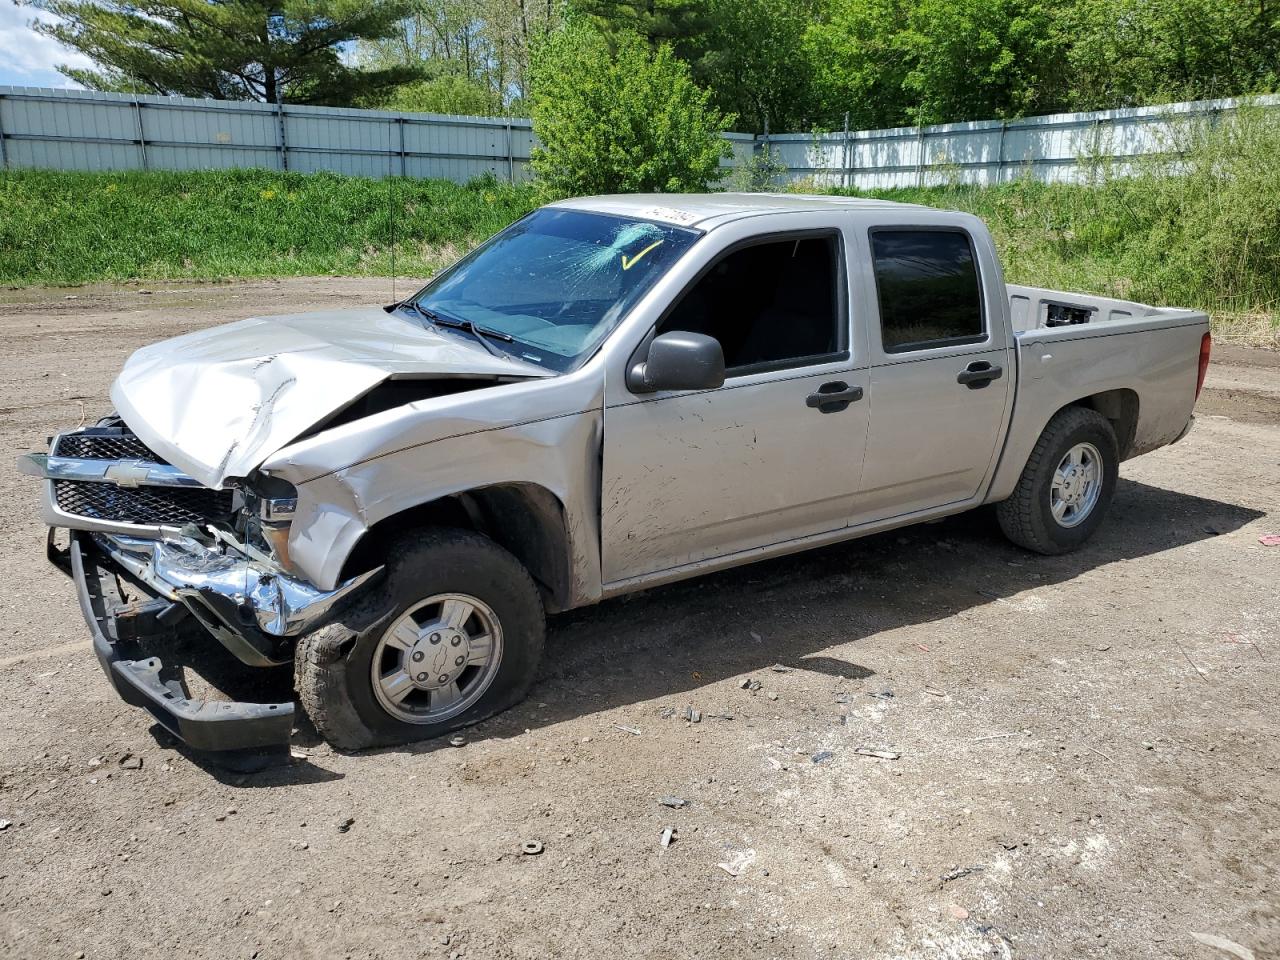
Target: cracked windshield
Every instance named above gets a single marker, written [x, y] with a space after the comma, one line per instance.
[549, 288]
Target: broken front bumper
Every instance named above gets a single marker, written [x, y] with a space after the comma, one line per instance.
[205, 725]
[253, 608]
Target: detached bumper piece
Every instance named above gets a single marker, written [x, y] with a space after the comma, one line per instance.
[232, 732]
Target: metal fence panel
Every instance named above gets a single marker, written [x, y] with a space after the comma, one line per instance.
[1058, 147]
[88, 130]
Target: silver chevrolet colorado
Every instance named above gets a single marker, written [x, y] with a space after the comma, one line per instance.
[613, 393]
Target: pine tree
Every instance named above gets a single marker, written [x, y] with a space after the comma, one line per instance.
[228, 49]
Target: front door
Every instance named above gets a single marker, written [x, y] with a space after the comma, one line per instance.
[771, 456]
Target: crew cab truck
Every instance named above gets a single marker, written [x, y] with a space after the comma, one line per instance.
[613, 393]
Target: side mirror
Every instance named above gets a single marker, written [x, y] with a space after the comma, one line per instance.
[679, 361]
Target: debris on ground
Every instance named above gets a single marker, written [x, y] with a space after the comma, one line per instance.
[779, 668]
[674, 803]
[934, 692]
[5, 824]
[666, 713]
[750, 684]
[668, 834]
[345, 824]
[719, 716]
[772, 695]
[1270, 539]
[131, 762]
[738, 862]
[634, 731]
[531, 848]
[298, 845]
[822, 756]
[882, 695]
[958, 912]
[877, 752]
[692, 715]
[1225, 945]
[457, 740]
[957, 872]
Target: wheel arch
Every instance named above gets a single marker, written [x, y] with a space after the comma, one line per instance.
[526, 519]
[1120, 406]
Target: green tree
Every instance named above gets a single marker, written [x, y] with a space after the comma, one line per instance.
[1133, 52]
[237, 50]
[974, 59]
[754, 62]
[447, 92]
[615, 116]
[858, 62]
[890, 62]
[680, 23]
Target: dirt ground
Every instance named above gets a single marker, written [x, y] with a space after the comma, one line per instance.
[1089, 762]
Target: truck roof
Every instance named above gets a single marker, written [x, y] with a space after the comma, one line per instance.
[705, 210]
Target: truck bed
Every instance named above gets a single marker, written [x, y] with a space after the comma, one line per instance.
[1135, 362]
[1036, 308]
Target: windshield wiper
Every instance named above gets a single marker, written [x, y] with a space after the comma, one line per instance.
[483, 334]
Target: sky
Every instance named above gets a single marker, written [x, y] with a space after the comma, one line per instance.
[26, 58]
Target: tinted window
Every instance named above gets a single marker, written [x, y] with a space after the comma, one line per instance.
[927, 282]
[768, 304]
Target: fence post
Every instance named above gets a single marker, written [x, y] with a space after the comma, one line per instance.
[403, 162]
[284, 143]
[1004, 126]
[920, 156]
[142, 138]
[511, 156]
[4, 157]
[844, 177]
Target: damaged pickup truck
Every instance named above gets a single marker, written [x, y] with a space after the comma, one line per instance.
[613, 393]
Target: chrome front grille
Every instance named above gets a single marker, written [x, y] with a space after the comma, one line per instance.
[147, 506]
[103, 443]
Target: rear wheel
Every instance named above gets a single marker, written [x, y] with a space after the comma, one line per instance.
[451, 635]
[1066, 486]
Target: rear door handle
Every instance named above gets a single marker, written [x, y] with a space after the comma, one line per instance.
[978, 374]
[833, 397]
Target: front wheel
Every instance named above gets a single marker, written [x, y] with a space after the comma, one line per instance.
[1066, 486]
[451, 635]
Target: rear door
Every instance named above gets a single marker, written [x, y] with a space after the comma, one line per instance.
[941, 374]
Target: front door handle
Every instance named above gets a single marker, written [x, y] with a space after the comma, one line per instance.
[833, 397]
[978, 374]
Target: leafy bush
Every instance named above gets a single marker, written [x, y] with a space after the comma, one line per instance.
[614, 116]
[760, 173]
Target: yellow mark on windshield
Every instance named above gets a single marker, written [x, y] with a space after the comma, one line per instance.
[628, 264]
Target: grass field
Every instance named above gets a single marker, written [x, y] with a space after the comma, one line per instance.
[1208, 237]
[66, 228]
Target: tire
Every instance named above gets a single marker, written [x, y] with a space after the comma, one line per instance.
[334, 671]
[1028, 517]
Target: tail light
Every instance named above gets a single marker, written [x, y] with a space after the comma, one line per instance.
[1206, 344]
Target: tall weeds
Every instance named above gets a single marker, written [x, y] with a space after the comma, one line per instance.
[1197, 227]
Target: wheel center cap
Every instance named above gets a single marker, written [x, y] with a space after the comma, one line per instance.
[438, 658]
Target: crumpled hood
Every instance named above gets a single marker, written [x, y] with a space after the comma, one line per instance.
[218, 402]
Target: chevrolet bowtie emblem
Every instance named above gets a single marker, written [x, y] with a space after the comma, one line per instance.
[127, 473]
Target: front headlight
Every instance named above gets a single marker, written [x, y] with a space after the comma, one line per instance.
[269, 506]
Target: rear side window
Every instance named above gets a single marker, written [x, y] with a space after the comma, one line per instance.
[927, 283]
[771, 305]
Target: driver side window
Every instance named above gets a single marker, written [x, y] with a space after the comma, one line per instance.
[772, 305]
